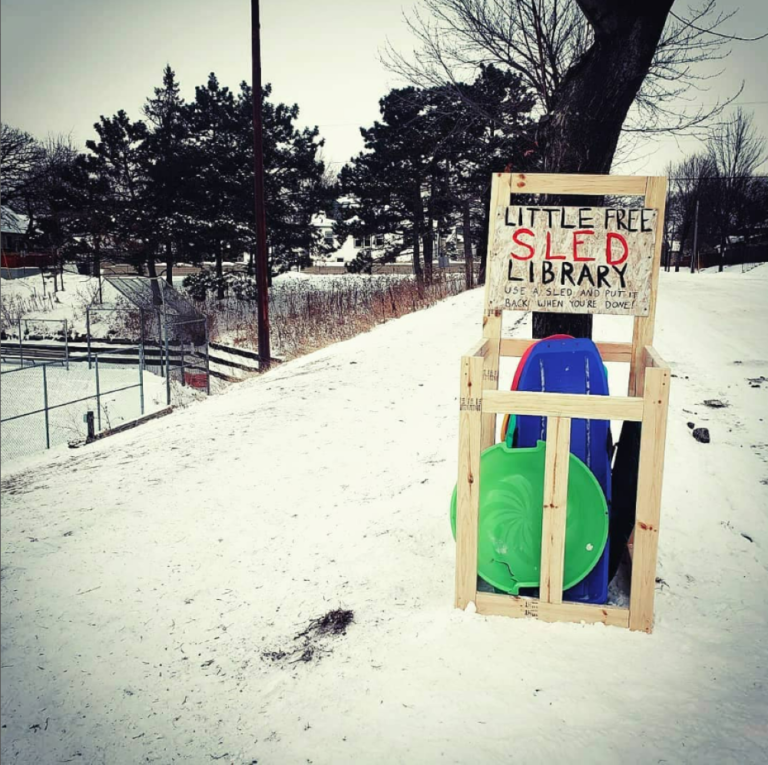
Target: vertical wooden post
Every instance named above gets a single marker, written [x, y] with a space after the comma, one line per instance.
[651, 471]
[491, 330]
[555, 502]
[492, 319]
[642, 335]
[468, 488]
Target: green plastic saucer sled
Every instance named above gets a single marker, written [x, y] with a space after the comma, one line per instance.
[511, 507]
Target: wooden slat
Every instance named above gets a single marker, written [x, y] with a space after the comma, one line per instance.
[480, 348]
[558, 452]
[499, 185]
[467, 508]
[515, 347]
[642, 334]
[492, 331]
[652, 358]
[491, 604]
[649, 481]
[544, 183]
[564, 405]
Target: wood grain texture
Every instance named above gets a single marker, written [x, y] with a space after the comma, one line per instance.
[491, 604]
[480, 348]
[557, 455]
[621, 352]
[492, 331]
[642, 334]
[499, 187]
[564, 183]
[652, 358]
[649, 483]
[564, 405]
[468, 487]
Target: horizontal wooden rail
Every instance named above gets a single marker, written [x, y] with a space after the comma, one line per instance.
[513, 346]
[652, 358]
[492, 604]
[563, 405]
[480, 348]
[546, 183]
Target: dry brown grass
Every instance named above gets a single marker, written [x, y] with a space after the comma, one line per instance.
[308, 315]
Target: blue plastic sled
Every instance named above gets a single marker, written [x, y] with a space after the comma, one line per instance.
[573, 366]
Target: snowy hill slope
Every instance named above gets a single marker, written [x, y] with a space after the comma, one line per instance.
[153, 584]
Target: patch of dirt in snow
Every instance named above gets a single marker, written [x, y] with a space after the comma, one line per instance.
[313, 644]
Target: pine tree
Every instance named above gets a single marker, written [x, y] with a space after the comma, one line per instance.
[295, 187]
[119, 158]
[429, 160]
[217, 161]
[165, 156]
[386, 179]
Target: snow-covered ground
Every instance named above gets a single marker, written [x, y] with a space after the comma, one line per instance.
[37, 300]
[23, 392]
[153, 584]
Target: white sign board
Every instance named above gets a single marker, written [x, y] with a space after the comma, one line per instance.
[571, 259]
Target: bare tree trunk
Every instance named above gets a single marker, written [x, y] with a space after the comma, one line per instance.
[589, 107]
[219, 273]
[482, 242]
[429, 246]
[168, 263]
[417, 270]
[157, 298]
[467, 228]
[429, 234]
[54, 270]
[97, 264]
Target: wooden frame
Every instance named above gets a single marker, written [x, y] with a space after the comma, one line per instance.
[647, 402]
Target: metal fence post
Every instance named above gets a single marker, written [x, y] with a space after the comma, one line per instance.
[45, 405]
[207, 362]
[21, 348]
[66, 343]
[182, 362]
[98, 395]
[167, 367]
[88, 333]
[161, 343]
[141, 378]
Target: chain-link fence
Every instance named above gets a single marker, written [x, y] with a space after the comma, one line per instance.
[186, 351]
[46, 404]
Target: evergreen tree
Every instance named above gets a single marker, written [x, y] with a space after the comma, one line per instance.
[119, 161]
[430, 158]
[295, 185]
[94, 211]
[386, 179]
[165, 157]
[218, 164]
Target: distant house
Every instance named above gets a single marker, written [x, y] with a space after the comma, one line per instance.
[449, 246]
[13, 227]
[15, 259]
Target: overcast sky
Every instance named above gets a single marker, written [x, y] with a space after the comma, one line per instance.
[65, 62]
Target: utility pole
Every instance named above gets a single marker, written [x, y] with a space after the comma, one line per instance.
[262, 295]
[695, 253]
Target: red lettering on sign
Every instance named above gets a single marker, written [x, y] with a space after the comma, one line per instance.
[577, 242]
[548, 254]
[609, 249]
[515, 238]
